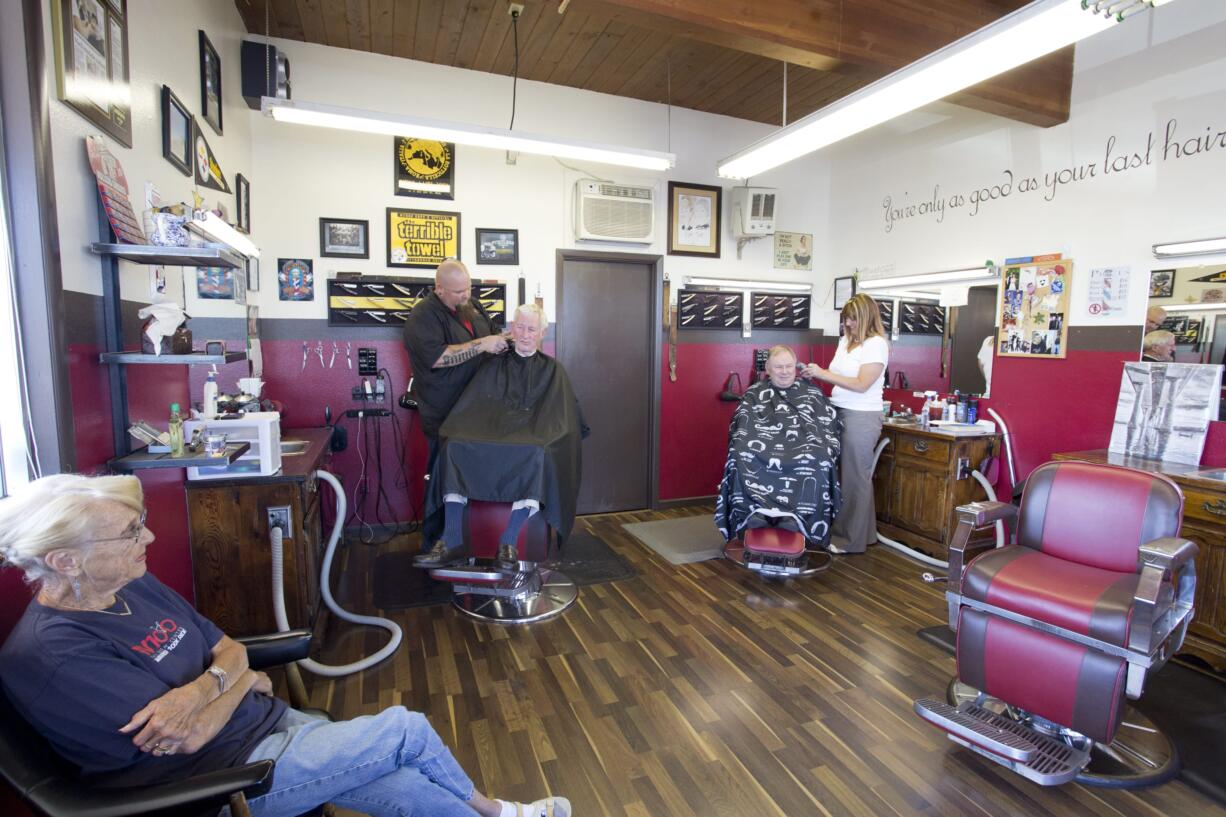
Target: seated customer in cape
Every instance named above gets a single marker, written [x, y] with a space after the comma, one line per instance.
[513, 436]
[783, 452]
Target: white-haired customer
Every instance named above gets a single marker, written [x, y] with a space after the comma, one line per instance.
[129, 683]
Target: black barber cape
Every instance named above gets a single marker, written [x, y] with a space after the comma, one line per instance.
[513, 434]
[783, 454]
[430, 328]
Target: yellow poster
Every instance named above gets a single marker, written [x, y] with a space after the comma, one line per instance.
[421, 238]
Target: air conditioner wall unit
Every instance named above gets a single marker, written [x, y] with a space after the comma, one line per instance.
[606, 211]
[752, 211]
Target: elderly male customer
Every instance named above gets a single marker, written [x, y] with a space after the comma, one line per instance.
[447, 336]
[135, 688]
[1158, 347]
[512, 436]
[1154, 316]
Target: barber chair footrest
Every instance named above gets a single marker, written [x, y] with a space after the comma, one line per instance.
[1036, 756]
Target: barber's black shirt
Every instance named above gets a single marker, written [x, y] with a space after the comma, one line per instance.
[432, 327]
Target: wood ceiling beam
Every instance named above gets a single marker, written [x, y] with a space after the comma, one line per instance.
[862, 39]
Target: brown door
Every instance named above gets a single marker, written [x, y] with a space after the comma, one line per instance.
[972, 323]
[607, 319]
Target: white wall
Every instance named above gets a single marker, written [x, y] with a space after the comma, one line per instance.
[1128, 84]
[163, 48]
[303, 173]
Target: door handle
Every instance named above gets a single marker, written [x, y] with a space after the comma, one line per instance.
[1218, 508]
[921, 447]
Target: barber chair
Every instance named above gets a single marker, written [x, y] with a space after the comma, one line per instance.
[1054, 632]
[777, 553]
[48, 784]
[484, 591]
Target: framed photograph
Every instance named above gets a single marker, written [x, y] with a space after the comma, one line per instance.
[344, 238]
[1162, 283]
[694, 212]
[242, 203]
[92, 63]
[496, 246]
[214, 284]
[177, 130]
[253, 274]
[844, 288]
[424, 168]
[295, 279]
[794, 251]
[421, 238]
[210, 83]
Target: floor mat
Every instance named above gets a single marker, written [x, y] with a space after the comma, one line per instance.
[681, 541]
[1189, 706]
[584, 559]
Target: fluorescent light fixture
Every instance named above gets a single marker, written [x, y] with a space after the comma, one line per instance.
[737, 283]
[970, 277]
[1194, 307]
[1204, 246]
[354, 119]
[1032, 31]
[890, 295]
[207, 224]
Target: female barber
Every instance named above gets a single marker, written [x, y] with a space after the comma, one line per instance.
[858, 376]
[135, 687]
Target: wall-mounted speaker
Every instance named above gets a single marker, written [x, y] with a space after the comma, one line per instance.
[265, 73]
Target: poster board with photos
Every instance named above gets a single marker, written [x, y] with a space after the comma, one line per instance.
[91, 67]
[710, 309]
[1034, 308]
[386, 300]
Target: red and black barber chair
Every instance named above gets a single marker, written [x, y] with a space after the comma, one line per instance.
[777, 553]
[1054, 632]
[530, 592]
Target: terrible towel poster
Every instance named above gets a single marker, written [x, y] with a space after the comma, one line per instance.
[1034, 308]
[421, 238]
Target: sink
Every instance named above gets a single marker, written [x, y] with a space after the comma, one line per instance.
[293, 448]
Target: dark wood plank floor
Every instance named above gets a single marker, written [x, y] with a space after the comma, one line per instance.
[703, 690]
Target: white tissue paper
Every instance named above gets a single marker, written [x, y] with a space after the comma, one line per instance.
[167, 317]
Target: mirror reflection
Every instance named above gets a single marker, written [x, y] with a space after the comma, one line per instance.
[1184, 321]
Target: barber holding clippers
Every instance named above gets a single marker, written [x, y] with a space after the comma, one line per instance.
[447, 335]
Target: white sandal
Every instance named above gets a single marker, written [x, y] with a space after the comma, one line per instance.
[548, 807]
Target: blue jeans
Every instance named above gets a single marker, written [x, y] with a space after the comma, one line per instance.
[388, 765]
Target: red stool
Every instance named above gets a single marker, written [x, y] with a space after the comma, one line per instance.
[776, 553]
[484, 591]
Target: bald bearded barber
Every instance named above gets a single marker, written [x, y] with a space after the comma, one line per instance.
[447, 336]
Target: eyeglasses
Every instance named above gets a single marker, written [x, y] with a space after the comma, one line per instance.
[134, 537]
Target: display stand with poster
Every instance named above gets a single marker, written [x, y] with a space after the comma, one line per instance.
[1034, 308]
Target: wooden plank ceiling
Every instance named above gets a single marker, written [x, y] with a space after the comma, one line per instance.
[724, 56]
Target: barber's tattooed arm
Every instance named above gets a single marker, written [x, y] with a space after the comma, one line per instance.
[462, 352]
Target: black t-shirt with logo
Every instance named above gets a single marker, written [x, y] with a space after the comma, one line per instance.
[78, 676]
[432, 327]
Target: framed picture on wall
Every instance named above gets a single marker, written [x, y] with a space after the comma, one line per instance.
[344, 238]
[694, 217]
[210, 83]
[242, 203]
[844, 288]
[497, 246]
[91, 68]
[424, 168]
[253, 274]
[177, 130]
[421, 238]
[1162, 283]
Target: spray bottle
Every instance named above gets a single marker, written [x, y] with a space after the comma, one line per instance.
[208, 406]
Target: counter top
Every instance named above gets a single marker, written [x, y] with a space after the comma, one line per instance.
[1197, 476]
[937, 433]
[294, 467]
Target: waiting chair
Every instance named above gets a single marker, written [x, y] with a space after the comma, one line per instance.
[49, 784]
[530, 592]
[1055, 631]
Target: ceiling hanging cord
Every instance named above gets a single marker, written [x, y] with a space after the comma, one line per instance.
[668, 80]
[785, 93]
[513, 156]
[267, 51]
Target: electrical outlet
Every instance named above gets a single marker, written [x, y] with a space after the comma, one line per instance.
[964, 467]
[279, 517]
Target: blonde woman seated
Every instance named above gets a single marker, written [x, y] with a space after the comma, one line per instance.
[133, 686]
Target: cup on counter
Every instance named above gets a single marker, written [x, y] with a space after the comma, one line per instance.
[215, 444]
[886, 405]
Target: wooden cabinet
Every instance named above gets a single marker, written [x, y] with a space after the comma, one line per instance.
[231, 548]
[1204, 522]
[916, 486]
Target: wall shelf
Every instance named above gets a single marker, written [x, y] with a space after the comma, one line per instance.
[194, 359]
[141, 459]
[210, 255]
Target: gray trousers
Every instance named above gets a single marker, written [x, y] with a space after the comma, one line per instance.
[856, 525]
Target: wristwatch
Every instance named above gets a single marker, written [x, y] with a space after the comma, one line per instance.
[222, 678]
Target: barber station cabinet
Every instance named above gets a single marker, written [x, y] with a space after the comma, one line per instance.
[531, 592]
